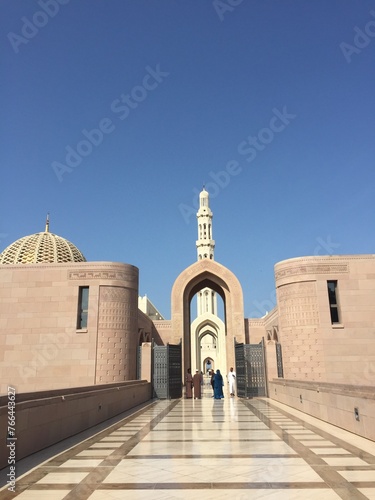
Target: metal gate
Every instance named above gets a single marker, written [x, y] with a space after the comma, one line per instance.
[139, 362]
[167, 371]
[279, 361]
[250, 370]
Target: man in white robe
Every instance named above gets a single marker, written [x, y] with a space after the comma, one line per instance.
[232, 381]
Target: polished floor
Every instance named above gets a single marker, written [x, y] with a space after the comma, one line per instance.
[209, 449]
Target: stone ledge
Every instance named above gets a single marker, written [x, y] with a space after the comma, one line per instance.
[48, 394]
[360, 391]
[45, 418]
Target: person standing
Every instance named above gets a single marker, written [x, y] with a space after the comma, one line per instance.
[197, 385]
[212, 382]
[189, 384]
[232, 381]
[218, 385]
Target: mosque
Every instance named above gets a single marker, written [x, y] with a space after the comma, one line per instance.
[66, 322]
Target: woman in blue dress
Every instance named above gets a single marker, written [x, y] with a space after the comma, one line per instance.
[218, 385]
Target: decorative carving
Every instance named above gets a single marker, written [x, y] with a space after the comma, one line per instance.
[114, 275]
[116, 294]
[116, 308]
[304, 288]
[163, 324]
[298, 305]
[117, 320]
[311, 269]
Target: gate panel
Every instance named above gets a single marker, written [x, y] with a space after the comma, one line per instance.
[166, 375]
[175, 367]
[279, 361]
[139, 362]
[255, 352]
[250, 370]
[241, 371]
[160, 372]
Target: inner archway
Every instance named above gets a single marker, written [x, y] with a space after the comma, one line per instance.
[208, 365]
[209, 274]
[207, 336]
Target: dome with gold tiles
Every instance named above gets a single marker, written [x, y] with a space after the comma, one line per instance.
[43, 247]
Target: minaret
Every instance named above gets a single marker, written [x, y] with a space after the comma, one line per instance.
[205, 243]
[207, 300]
[46, 230]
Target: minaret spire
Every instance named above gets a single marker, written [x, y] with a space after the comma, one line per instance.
[47, 224]
[205, 244]
[207, 300]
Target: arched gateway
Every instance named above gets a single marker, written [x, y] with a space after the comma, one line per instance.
[203, 274]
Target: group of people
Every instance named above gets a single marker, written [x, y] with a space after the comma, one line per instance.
[194, 382]
[217, 383]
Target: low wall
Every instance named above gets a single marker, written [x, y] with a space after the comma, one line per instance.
[333, 403]
[45, 418]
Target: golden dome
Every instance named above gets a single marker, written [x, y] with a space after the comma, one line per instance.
[41, 247]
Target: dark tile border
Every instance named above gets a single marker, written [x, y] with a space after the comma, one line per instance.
[343, 488]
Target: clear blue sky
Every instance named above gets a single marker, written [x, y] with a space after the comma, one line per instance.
[198, 81]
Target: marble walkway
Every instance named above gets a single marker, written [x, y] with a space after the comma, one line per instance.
[224, 449]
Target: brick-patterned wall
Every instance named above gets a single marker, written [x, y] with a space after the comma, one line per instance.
[117, 334]
[299, 321]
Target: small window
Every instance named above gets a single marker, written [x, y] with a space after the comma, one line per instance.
[333, 304]
[83, 307]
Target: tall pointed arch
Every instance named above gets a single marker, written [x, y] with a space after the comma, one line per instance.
[211, 274]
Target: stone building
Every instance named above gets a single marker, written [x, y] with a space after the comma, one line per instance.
[66, 322]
